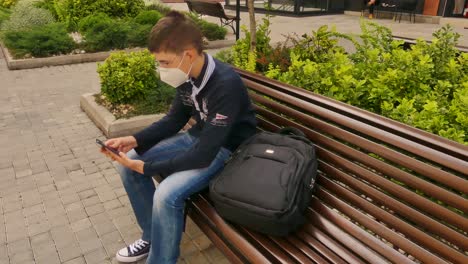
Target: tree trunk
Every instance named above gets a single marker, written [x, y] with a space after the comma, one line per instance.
[253, 25]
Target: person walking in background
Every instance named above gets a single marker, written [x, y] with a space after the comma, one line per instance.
[371, 4]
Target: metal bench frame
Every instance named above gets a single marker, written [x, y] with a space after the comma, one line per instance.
[214, 9]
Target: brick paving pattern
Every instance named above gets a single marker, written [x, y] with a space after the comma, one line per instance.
[61, 201]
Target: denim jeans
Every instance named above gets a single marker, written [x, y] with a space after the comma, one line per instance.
[160, 210]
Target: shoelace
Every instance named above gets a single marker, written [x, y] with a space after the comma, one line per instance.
[137, 245]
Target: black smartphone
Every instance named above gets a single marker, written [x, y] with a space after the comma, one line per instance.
[113, 150]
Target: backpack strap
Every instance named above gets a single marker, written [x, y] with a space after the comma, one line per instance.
[294, 133]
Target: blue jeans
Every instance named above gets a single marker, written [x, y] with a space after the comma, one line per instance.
[160, 211]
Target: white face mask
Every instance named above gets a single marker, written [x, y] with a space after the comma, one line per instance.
[174, 76]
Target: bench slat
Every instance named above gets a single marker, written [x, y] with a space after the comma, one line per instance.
[292, 250]
[306, 250]
[396, 190]
[332, 245]
[338, 234]
[436, 174]
[227, 251]
[416, 135]
[237, 240]
[410, 180]
[398, 207]
[357, 232]
[378, 134]
[316, 245]
[407, 230]
[267, 246]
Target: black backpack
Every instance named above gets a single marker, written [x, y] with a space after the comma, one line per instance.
[268, 183]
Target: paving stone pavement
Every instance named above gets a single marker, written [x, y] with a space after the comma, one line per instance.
[61, 201]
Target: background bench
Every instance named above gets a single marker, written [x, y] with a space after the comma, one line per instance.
[386, 192]
[214, 9]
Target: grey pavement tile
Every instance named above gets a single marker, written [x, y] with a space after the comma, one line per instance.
[94, 209]
[63, 184]
[101, 217]
[87, 194]
[47, 188]
[109, 205]
[74, 205]
[81, 225]
[91, 201]
[98, 182]
[52, 258]
[18, 246]
[39, 239]
[79, 260]
[107, 196]
[12, 206]
[76, 215]
[22, 257]
[69, 253]
[63, 236]
[104, 227]
[34, 209]
[97, 256]
[120, 211]
[35, 229]
[123, 221]
[120, 191]
[58, 220]
[70, 199]
[124, 201]
[51, 195]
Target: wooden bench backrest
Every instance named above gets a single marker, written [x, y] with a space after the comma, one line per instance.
[385, 190]
[214, 9]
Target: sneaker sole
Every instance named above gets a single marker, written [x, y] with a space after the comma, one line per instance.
[124, 259]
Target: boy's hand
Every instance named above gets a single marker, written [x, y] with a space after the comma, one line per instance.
[136, 165]
[123, 144]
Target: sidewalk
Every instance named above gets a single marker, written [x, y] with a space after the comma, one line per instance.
[61, 201]
[282, 25]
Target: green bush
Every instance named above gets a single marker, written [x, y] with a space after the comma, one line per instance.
[161, 8]
[148, 17]
[138, 35]
[4, 14]
[106, 35]
[72, 11]
[7, 3]
[425, 86]
[96, 22]
[126, 77]
[25, 15]
[48, 40]
[48, 5]
[211, 31]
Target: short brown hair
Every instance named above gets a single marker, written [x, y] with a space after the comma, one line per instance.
[174, 33]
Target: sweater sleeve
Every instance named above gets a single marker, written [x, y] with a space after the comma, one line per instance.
[173, 122]
[224, 110]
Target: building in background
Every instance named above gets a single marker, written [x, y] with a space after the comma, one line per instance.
[442, 8]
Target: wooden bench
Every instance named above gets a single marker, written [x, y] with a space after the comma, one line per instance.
[214, 9]
[386, 192]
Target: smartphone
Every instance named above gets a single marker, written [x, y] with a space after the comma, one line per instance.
[113, 150]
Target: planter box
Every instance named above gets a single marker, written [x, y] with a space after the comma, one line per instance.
[20, 64]
[106, 121]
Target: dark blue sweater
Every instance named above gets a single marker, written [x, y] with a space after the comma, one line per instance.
[226, 118]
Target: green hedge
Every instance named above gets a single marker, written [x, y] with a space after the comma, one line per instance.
[425, 86]
[126, 77]
[45, 41]
[25, 15]
[72, 11]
